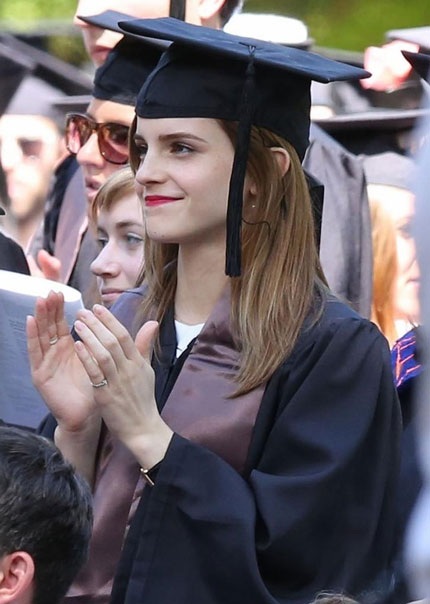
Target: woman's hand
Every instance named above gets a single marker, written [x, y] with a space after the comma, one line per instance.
[124, 379]
[56, 370]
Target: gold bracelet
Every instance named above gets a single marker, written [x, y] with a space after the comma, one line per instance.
[146, 473]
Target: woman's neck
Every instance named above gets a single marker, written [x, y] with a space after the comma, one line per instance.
[200, 282]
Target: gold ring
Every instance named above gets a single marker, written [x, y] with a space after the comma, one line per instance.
[53, 340]
[100, 384]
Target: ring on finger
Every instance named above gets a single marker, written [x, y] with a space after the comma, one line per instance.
[100, 384]
[53, 340]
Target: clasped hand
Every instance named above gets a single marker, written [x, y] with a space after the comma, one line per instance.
[64, 374]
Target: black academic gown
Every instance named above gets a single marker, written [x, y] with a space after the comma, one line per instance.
[12, 257]
[315, 507]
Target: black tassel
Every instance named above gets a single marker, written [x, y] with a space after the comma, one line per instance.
[316, 190]
[177, 9]
[235, 197]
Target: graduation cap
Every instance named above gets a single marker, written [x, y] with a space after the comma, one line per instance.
[209, 73]
[14, 66]
[416, 35]
[128, 64]
[389, 169]
[375, 130]
[67, 78]
[420, 62]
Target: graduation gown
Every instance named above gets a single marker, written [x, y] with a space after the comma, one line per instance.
[312, 509]
[12, 257]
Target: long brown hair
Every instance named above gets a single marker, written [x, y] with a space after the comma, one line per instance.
[384, 267]
[281, 281]
[116, 187]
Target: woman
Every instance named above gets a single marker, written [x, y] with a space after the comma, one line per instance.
[395, 305]
[116, 217]
[254, 443]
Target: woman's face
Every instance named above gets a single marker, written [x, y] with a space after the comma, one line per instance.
[183, 179]
[120, 234]
[399, 205]
[408, 276]
[95, 168]
[99, 41]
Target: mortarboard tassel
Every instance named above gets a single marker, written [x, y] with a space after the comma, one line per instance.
[235, 197]
[177, 9]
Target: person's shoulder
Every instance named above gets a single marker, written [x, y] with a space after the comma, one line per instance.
[339, 323]
[12, 257]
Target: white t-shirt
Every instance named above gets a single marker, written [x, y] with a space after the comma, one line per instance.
[184, 334]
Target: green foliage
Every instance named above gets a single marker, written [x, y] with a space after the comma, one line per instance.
[24, 13]
[347, 24]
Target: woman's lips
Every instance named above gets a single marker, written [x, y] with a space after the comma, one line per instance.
[159, 200]
[109, 296]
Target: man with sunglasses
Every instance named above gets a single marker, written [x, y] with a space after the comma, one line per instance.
[97, 139]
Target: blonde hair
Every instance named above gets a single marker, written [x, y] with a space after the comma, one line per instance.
[281, 281]
[116, 187]
[384, 267]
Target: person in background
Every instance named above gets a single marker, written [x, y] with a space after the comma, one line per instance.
[12, 257]
[116, 218]
[62, 209]
[99, 41]
[98, 139]
[31, 145]
[249, 438]
[396, 276]
[45, 520]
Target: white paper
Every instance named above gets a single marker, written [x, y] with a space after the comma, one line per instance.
[20, 403]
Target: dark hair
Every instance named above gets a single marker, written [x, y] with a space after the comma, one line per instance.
[228, 9]
[45, 510]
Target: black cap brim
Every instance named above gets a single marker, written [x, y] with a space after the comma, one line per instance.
[420, 62]
[109, 20]
[202, 39]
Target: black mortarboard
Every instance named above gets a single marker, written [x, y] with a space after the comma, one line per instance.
[36, 97]
[14, 66]
[375, 130]
[389, 169]
[128, 64]
[209, 73]
[67, 78]
[416, 35]
[420, 62]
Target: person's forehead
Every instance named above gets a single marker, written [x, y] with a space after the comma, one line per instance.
[109, 111]
[26, 126]
[140, 9]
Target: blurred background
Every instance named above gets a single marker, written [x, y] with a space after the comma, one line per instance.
[338, 24]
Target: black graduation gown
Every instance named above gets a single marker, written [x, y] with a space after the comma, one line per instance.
[12, 257]
[315, 506]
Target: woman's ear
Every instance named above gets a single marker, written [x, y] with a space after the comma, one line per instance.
[208, 10]
[282, 158]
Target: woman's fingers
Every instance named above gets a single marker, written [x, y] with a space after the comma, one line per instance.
[145, 339]
[35, 353]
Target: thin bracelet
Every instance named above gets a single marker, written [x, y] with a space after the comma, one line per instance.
[146, 473]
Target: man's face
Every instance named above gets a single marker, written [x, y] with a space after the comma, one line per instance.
[29, 150]
[98, 41]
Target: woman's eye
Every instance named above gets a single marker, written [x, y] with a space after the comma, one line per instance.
[140, 150]
[405, 230]
[102, 241]
[133, 239]
[181, 148]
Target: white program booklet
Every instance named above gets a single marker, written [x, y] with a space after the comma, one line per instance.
[20, 402]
